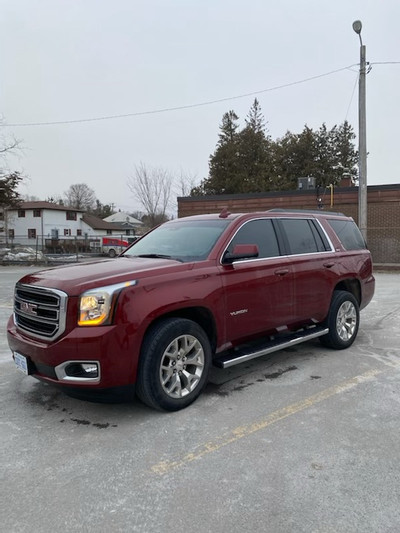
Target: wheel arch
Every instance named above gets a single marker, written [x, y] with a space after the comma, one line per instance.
[201, 315]
[352, 286]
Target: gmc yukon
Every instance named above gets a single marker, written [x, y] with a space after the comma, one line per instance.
[193, 292]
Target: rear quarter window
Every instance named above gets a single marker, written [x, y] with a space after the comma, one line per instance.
[348, 234]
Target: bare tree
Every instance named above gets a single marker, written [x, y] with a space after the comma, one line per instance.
[185, 183]
[30, 198]
[80, 196]
[151, 187]
[8, 145]
[9, 181]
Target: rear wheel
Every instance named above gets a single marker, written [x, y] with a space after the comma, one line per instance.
[343, 321]
[174, 364]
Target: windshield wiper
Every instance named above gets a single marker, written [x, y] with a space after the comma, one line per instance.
[159, 256]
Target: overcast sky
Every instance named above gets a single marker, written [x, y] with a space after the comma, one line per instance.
[67, 60]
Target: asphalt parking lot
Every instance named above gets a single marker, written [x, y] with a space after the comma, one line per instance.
[305, 440]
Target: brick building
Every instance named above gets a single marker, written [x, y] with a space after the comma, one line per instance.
[383, 210]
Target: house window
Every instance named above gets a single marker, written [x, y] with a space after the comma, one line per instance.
[67, 232]
[71, 215]
[79, 232]
[127, 232]
[11, 234]
[37, 213]
[109, 232]
[32, 233]
[21, 213]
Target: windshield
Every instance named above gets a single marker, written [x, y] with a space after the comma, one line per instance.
[182, 240]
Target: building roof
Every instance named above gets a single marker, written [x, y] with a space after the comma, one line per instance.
[44, 205]
[96, 222]
[124, 218]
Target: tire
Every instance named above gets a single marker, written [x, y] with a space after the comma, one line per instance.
[343, 321]
[174, 364]
[112, 253]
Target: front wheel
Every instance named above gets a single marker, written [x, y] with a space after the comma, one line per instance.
[343, 321]
[174, 364]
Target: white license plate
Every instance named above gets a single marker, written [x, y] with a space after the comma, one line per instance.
[21, 362]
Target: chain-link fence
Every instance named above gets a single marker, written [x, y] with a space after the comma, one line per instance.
[42, 248]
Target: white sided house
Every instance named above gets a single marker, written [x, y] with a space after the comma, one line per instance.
[44, 224]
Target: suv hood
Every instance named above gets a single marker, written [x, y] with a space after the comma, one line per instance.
[74, 279]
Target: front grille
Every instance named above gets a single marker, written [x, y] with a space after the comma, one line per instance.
[40, 312]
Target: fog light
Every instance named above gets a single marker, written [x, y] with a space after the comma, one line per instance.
[90, 368]
[82, 370]
[79, 371]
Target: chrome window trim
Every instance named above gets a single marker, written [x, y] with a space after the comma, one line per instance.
[326, 236]
[246, 260]
[240, 261]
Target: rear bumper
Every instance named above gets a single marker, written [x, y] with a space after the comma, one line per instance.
[368, 291]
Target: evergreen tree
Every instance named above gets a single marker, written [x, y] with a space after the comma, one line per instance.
[255, 119]
[255, 160]
[323, 154]
[295, 157]
[228, 128]
[223, 165]
[9, 195]
[325, 165]
[345, 152]
[242, 161]
[248, 160]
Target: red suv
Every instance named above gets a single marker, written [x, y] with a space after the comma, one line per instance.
[202, 290]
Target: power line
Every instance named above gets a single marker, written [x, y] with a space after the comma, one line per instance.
[369, 70]
[352, 95]
[177, 108]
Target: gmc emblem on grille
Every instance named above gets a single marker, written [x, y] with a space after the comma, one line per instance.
[28, 308]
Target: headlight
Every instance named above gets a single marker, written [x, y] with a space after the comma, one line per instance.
[96, 306]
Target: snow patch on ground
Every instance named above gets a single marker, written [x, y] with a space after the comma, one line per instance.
[22, 254]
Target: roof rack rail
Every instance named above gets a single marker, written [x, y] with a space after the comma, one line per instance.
[315, 211]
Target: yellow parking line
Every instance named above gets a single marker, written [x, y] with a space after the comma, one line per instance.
[240, 432]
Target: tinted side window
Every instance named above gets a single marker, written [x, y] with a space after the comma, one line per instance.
[320, 238]
[348, 233]
[300, 236]
[259, 232]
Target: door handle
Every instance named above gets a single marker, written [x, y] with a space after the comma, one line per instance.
[281, 271]
[329, 265]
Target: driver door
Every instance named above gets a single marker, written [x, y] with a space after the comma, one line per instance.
[258, 291]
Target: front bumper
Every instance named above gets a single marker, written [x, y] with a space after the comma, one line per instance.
[63, 361]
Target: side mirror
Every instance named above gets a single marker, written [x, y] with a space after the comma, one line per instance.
[241, 251]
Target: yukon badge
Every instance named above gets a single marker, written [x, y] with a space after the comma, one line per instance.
[240, 312]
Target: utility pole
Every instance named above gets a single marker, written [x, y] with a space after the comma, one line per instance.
[362, 136]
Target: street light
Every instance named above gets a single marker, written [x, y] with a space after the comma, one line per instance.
[362, 136]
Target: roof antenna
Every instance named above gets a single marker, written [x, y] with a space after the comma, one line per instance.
[224, 213]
